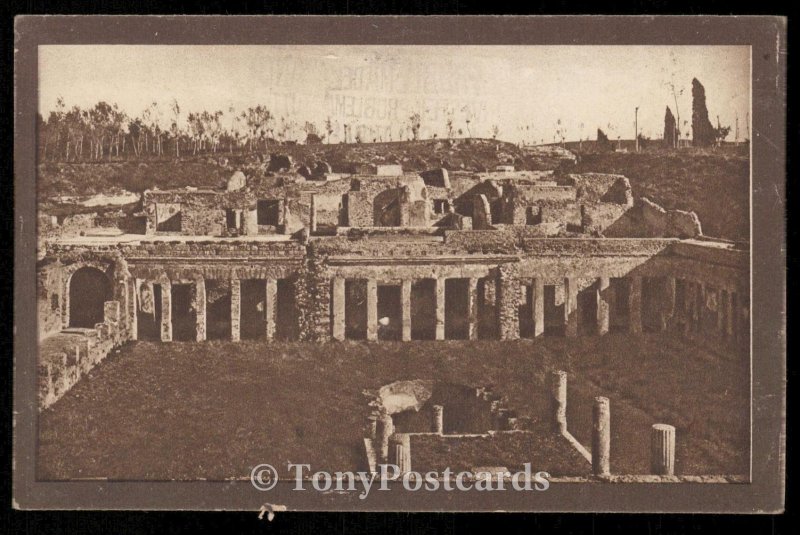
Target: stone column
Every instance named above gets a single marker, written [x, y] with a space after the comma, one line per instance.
[603, 304]
[270, 307]
[372, 309]
[730, 327]
[472, 308]
[111, 317]
[601, 437]
[236, 309]
[200, 308]
[688, 305]
[668, 310]
[440, 283]
[558, 400]
[64, 292]
[695, 308]
[701, 305]
[401, 447]
[166, 311]
[722, 297]
[635, 305]
[538, 306]
[662, 450]
[133, 309]
[385, 429]
[489, 297]
[437, 426]
[508, 301]
[313, 215]
[405, 301]
[372, 427]
[339, 308]
[571, 307]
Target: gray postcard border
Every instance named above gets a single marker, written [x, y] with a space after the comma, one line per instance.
[765, 35]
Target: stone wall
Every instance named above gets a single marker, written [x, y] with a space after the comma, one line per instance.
[202, 213]
[508, 298]
[481, 241]
[596, 218]
[49, 296]
[326, 211]
[74, 225]
[601, 187]
[534, 193]
[501, 260]
[60, 370]
[359, 209]
[649, 220]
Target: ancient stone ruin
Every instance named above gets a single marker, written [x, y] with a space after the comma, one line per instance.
[386, 255]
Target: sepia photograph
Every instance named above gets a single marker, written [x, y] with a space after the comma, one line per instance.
[433, 269]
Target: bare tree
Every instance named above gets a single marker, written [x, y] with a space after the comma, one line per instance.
[175, 128]
[414, 125]
[468, 118]
[449, 121]
[329, 128]
[257, 119]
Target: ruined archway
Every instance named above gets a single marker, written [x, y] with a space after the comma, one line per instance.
[89, 289]
[386, 209]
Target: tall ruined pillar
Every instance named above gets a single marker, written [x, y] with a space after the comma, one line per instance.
[112, 316]
[401, 450]
[270, 307]
[372, 309]
[440, 283]
[166, 311]
[571, 307]
[635, 305]
[489, 300]
[472, 308]
[312, 216]
[200, 308]
[384, 429]
[508, 301]
[730, 314]
[601, 437]
[603, 304]
[721, 304]
[701, 306]
[538, 306]
[65, 306]
[405, 301]
[558, 400]
[696, 305]
[236, 309]
[668, 310]
[686, 313]
[133, 308]
[338, 308]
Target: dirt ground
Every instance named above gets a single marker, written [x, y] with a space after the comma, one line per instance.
[213, 410]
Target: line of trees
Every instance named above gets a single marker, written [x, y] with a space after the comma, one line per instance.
[104, 131]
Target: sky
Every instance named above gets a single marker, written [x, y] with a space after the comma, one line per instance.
[529, 94]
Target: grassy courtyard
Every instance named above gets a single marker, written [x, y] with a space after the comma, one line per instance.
[215, 409]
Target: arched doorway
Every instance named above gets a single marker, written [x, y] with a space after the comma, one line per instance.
[89, 289]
